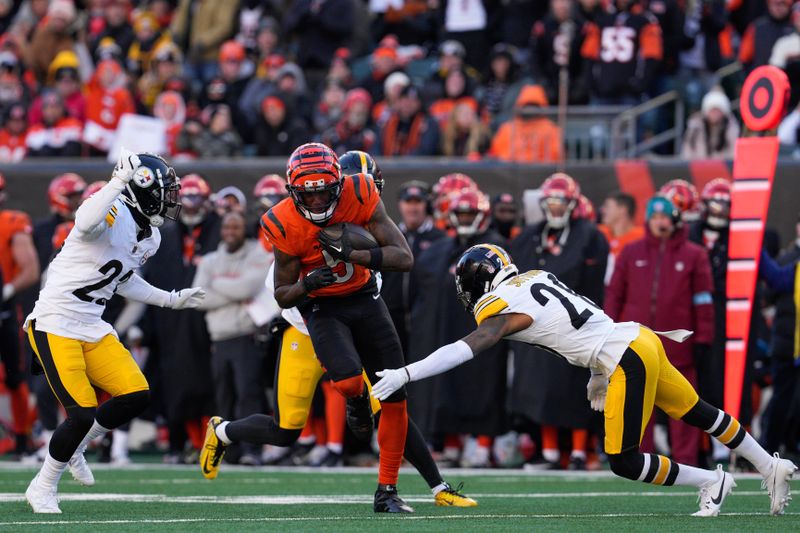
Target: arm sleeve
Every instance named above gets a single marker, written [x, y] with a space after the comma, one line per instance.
[442, 360]
[90, 218]
[779, 278]
[139, 290]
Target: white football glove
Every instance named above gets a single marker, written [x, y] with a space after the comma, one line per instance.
[127, 164]
[186, 298]
[596, 391]
[392, 380]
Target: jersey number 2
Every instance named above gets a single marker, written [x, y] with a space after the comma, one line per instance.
[113, 268]
[577, 319]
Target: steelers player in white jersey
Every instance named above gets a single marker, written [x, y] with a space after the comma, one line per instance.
[629, 373]
[116, 231]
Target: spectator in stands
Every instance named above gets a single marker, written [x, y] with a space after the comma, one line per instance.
[329, 109]
[516, 18]
[409, 130]
[464, 135]
[231, 82]
[201, 26]
[620, 75]
[529, 136]
[63, 76]
[229, 199]
[107, 99]
[383, 62]
[663, 281]
[12, 90]
[12, 137]
[617, 216]
[171, 108]
[148, 36]
[116, 26]
[392, 87]
[232, 276]
[255, 15]
[555, 44]
[290, 83]
[50, 37]
[762, 34]
[451, 57]
[502, 79]
[57, 135]
[505, 216]
[575, 251]
[263, 84]
[165, 65]
[711, 133]
[321, 28]
[268, 39]
[218, 138]
[277, 132]
[468, 23]
[352, 131]
[340, 70]
[455, 93]
[786, 55]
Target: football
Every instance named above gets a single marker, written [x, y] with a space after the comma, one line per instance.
[360, 238]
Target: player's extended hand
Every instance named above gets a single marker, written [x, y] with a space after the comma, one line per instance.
[186, 298]
[596, 391]
[127, 164]
[337, 248]
[391, 381]
[318, 278]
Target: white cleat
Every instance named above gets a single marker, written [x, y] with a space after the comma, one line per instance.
[41, 499]
[80, 470]
[777, 484]
[712, 496]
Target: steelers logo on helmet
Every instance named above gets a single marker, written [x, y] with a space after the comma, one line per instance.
[144, 177]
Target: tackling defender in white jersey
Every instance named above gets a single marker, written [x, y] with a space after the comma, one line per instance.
[629, 373]
[116, 231]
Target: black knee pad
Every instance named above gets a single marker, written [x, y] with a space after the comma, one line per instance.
[122, 409]
[702, 415]
[80, 419]
[628, 464]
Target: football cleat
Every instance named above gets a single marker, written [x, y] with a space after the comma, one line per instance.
[711, 496]
[359, 416]
[41, 499]
[80, 470]
[452, 497]
[213, 450]
[388, 501]
[777, 484]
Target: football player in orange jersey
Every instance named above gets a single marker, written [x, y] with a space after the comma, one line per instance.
[19, 267]
[335, 290]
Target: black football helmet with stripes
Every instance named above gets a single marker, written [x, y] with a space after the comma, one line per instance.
[152, 193]
[358, 162]
[479, 270]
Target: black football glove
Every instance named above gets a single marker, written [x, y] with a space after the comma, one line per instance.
[337, 248]
[319, 278]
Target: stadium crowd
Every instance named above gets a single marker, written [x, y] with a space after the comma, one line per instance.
[399, 77]
[395, 78]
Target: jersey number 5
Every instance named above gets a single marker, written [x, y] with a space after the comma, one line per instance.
[113, 269]
[577, 319]
[341, 270]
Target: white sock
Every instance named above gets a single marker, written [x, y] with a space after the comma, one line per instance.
[335, 447]
[753, 452]
[690, 476]
[51, 472]
[119, 445]
[95, 431]
[439, 488]
[550, 455]
[578, 454]
[221, 434]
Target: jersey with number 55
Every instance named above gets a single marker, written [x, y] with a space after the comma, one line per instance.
[291, 233]
[84, 275]
[564, 322]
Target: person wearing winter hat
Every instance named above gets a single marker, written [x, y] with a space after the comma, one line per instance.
[711, 133]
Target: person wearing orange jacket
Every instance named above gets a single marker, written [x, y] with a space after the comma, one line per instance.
[529, 137]
[107, 99]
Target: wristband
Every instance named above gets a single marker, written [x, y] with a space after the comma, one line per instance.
[408, 376]
[375, 258]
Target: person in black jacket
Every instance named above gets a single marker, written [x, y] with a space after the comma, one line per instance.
[471, 399]
[399, 289]
[276, 131]
[546, 389]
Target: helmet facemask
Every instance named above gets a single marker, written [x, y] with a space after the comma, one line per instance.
[553, 220]
[303, 193]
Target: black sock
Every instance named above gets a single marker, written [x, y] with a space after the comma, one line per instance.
[69, 434]
[260, 429]
[419, 456]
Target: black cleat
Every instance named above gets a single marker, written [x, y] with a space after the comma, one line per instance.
[388, 501]
[359, 416]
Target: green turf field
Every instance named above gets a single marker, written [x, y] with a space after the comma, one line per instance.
[148, 498]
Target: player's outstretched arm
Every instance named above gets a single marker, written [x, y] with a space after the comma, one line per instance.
[91, 215]
[393, 254]
[289, 290]
[489, 333]
[136, 288]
